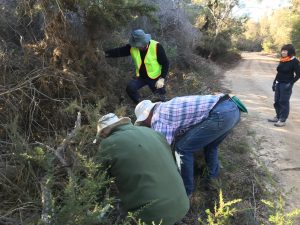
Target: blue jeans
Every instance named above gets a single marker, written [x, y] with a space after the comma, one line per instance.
[283, 92]
[137, 83]
[206, 135]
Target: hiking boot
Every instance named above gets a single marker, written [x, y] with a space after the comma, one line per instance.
[273, 120]
[279, 124]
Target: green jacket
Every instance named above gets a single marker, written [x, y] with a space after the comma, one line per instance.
[145, 173]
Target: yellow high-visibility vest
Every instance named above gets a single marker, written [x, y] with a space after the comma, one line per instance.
[153, 68]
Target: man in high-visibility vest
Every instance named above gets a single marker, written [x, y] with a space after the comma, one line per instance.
[151, 64]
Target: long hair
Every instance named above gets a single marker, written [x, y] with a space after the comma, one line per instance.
[290, 49]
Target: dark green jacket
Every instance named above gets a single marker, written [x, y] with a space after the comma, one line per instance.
[145, 173]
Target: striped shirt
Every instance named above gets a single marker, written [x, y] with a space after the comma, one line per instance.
[181, 113]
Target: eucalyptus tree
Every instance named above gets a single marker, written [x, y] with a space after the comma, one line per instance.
[218, 24]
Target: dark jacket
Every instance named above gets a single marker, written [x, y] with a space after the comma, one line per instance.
[161, 58]
[288, 72]
[145, 173]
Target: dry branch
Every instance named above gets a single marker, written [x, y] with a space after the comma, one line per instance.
[47, 210]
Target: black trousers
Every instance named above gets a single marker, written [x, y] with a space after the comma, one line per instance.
[283, 92]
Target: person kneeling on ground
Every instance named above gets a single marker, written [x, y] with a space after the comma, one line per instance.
[144, 169]
[151, 64]
[189, 124]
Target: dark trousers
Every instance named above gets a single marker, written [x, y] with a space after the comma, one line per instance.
[283, 92]
[137, 83]
[206, 135]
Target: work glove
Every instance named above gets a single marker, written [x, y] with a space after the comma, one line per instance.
[274, 86]
[160, 83]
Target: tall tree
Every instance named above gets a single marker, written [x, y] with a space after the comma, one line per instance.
[277, 28]
[217, 22]
[251, 39]
[296, 5]
[296, 25]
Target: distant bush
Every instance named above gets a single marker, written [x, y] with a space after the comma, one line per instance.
[249, 45]
[251, 38]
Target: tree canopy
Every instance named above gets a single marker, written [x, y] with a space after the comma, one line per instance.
[271, 32]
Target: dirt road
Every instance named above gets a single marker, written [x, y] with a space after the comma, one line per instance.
[251, 80]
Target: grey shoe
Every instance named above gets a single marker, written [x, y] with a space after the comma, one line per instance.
[273, 120]
[279, 124]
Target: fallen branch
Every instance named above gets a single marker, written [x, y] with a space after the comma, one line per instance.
[254, 200]
[47, 203]
[63, 145]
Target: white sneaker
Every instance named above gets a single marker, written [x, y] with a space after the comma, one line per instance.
[273, 120]
[279, 124]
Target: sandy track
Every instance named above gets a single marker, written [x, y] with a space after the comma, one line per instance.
[251, 80]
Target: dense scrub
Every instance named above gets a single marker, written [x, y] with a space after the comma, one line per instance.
[55, 83]
[54, 75]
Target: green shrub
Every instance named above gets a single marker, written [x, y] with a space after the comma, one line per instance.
[222, 213]
[278, 215]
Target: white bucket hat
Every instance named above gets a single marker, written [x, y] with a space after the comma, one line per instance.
[104, 122]
[142, 110]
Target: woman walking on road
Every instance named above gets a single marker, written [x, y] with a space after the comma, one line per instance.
[288, 72]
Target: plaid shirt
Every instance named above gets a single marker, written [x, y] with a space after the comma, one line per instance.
[181, 113]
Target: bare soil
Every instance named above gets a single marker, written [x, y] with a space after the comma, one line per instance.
[251, 80]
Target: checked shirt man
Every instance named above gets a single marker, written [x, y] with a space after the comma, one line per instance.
[190, 124]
